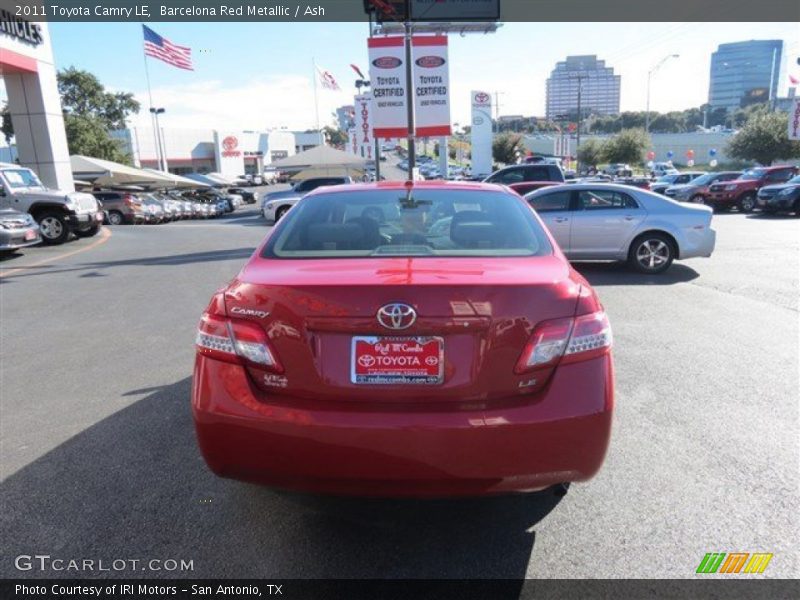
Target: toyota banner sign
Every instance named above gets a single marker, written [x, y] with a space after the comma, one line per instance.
[387, 74]
[229, 155]
[363, 128]
[481, 133]
[794, 120]
[430, 86]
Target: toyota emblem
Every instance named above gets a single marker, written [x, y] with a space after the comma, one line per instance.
[397, 316]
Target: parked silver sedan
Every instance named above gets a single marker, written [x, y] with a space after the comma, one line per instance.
[17, 230]
[602, 221]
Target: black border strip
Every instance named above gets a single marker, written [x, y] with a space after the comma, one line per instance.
[708, 587]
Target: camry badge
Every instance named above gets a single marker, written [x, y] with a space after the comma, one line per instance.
[397, 316]
[250, 312]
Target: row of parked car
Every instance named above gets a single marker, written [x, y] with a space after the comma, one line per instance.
[127, 206]
[769, 189]
[31, 213]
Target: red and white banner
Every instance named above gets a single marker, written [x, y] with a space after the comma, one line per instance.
[794, 120]
[363, 119]
[431, 85]
[387, 74]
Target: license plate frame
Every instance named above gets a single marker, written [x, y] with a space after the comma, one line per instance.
[398, 374]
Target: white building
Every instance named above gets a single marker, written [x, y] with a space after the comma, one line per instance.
[231, 153]
[306, 140]
[29, 77]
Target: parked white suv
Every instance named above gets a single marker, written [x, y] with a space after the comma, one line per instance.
[58, 213]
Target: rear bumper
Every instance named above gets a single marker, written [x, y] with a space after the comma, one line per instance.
[561, 435]
[698, 243]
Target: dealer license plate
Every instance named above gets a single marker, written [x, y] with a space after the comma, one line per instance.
[397, 360]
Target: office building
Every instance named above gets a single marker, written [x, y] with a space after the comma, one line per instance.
[745, 73]
[599, 88]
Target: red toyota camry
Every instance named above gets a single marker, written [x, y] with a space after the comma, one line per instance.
[391, 340]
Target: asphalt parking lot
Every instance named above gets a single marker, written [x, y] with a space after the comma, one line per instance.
[99, 458]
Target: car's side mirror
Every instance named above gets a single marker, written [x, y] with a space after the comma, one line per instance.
[2, 192]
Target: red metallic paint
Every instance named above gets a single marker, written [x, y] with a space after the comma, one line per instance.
[484, 430]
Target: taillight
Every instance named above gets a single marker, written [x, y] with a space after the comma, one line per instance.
[235, 341]
[566, 340]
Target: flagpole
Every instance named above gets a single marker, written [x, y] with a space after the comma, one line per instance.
[156, 140]
[316, 100]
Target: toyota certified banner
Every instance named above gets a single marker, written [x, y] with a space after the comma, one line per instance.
[387, 73]
[363, 129]
[431, 85]
[481, 133]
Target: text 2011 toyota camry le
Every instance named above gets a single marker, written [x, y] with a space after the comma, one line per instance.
[405, 341]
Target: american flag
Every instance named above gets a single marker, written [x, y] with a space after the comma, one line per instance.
[327, 80]
[162, 49]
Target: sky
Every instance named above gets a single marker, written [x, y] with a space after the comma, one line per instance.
[259, 75]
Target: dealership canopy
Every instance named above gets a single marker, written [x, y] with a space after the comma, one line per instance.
[205, 180]
[319, 156]
[106, 173]
[312, 172]
[177, 180]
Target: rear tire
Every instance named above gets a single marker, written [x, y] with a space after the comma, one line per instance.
[747, 202]
[90, 231]
[280, 212]
[115, 218]
[651, 253]
[54, 228]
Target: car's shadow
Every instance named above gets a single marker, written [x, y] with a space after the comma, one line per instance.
[134, 486]
[776, 216]
[619, 273]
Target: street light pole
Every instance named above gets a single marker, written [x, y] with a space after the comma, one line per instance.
[162, 157]
[580, 77]
[649, 75]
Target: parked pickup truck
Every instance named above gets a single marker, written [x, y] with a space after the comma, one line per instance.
[742, 192]
[58, 213]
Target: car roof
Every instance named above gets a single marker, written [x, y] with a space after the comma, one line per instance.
[590, 185]
[418, 185]
[774, 167]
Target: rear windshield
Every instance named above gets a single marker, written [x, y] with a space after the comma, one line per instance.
[386, 223]
[753, 174]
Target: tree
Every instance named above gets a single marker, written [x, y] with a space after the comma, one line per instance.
[334, 136]
[83, 95]
[90, 113]
[590, 153]
[88, 135]
[764, 139]
[628, 146]
[7, 127]
[506, 148]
